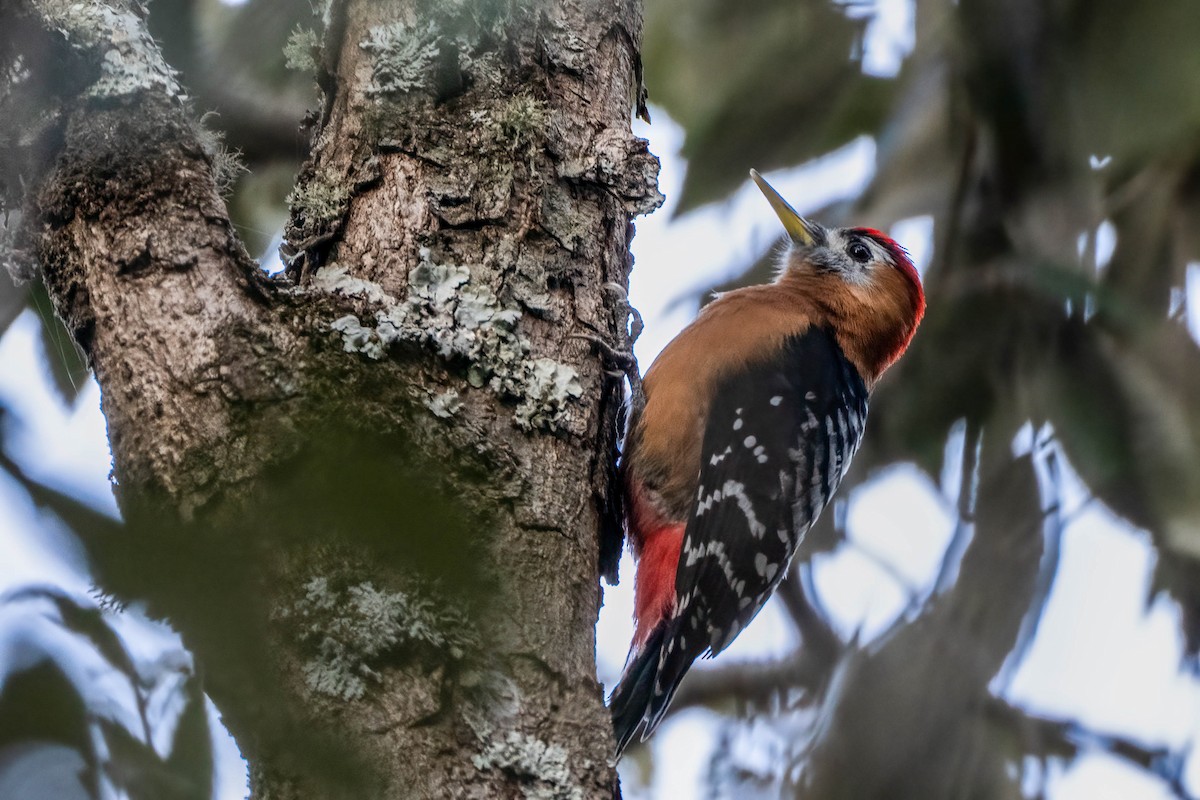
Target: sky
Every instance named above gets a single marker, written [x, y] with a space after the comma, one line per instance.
[1103, 654]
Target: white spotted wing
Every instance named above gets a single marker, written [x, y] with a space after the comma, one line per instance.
[779, 438]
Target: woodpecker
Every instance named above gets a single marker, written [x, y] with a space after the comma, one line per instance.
[751, 416]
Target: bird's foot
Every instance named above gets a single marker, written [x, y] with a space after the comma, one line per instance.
[622, 359]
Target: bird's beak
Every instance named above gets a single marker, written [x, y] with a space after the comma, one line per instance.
[801, 230]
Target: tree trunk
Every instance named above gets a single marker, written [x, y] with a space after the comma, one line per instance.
[371, 495]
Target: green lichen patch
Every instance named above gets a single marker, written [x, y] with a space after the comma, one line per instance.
[516, 126]
[522, 120]
[319, 204]
[403, 57]
[302, 50]
[227, 164]
[542, 767]
[355, 630]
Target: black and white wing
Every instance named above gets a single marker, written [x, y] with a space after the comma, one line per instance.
[779, 438]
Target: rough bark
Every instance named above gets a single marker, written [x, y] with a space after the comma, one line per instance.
[371, 498]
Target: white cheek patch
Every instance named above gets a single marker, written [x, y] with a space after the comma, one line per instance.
[852, 272]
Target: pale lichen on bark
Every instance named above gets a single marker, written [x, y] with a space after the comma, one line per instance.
[460, 320]
[354, 630]
[444, 405]
[321, 203]
[116, 38]
[402, 56]
[542, 768]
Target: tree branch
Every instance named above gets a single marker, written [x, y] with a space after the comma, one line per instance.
[820, 640]
[1047, 737]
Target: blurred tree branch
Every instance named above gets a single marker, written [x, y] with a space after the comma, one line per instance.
[239, 72]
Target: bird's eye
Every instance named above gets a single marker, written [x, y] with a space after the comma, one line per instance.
[859, 252]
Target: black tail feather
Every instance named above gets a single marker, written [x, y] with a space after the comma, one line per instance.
[630, 701]
[671, 669]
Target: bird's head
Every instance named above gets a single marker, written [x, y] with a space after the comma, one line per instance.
[861, 278]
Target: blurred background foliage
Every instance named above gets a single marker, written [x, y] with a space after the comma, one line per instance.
[1056, 148]
[1054, 144]
[1025, 130]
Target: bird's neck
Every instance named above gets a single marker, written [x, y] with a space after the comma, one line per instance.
[872, 322]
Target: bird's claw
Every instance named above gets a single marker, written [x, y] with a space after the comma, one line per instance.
[624, 360]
